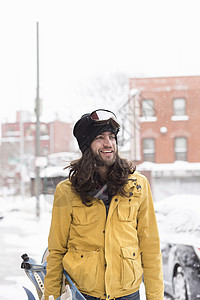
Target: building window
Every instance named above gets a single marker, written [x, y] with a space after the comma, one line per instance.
[180, 148]
[179, 105]
[148, 108]
[148, 149]
[43, 129]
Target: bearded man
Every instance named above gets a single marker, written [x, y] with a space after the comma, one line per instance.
[103, 229]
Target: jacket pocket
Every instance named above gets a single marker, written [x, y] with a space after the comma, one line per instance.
[131, 266]
[83, 215]
[82, 267]
[126, 211]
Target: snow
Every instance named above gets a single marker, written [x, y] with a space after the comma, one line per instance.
[178, 217]
[190, 201]
[21, 232]
[53, 171]
[177, 165]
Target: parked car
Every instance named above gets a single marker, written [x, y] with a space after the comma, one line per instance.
[178, 220]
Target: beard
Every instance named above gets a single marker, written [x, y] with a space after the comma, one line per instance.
[100, 162]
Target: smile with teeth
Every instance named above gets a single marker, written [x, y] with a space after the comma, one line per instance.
[106, 152]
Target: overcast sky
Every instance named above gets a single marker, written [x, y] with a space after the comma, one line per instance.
[80, 39]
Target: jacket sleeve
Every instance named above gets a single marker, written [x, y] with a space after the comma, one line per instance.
[150, 245]
[57, 242]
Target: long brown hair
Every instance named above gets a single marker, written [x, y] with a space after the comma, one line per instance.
[84, 175]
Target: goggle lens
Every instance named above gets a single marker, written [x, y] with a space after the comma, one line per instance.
[103, 117]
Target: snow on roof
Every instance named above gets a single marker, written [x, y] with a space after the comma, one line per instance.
[54, 172]
[176, 166]
[62, 158]
[63, 155]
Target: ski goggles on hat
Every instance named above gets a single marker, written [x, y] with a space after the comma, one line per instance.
[103, 117]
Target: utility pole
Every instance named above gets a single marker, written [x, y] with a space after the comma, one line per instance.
[22, 186]
[37, 146]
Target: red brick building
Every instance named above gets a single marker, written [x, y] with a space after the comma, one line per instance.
[54, 137]
[167, 119]
[18, 146]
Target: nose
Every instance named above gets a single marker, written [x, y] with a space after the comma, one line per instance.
[107, 141]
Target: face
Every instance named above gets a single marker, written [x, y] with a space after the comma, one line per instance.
[104, 148]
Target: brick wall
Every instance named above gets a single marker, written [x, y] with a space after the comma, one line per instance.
[163, 91]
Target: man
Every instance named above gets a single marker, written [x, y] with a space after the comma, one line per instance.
[103, 230]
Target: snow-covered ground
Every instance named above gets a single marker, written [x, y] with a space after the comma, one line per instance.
[21, 232]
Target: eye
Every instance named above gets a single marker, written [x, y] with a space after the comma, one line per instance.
[112, 137]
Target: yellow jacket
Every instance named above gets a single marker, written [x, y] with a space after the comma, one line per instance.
[105, 257]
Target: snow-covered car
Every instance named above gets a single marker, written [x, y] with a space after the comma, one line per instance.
[178, 220]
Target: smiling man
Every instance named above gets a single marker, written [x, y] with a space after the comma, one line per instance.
[104, 149]
[103, 230]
